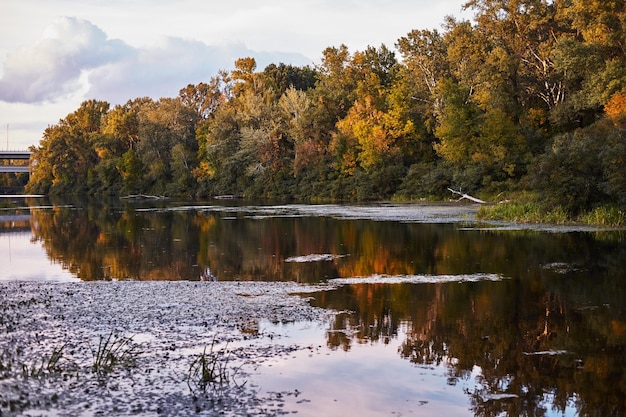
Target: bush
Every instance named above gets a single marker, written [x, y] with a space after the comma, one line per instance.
[570, 173]
[425, 180]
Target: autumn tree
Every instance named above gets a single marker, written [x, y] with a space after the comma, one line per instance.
[485, 105]
[592, 58]
[279, 78]
[67, 154]
[167, 145]
[205, 98]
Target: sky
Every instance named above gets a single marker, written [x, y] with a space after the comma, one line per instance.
[55, 54]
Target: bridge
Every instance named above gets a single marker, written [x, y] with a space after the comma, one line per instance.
[12, 156]
[14, 224]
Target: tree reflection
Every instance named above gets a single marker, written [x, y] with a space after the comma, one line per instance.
[99, 242]
[536, 346]
[133, 241]
[550, 335]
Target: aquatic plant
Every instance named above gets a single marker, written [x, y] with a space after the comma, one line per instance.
[210, 368]
[605, 216]
[538, 212]
[49, 365]
[114, 351]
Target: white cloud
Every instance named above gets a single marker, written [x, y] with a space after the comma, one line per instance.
[161, 71]
[116, 50]
[51, 68]
[73, 51]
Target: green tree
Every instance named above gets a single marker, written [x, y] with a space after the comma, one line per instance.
[570, 173]
[163, 126]
[218, 140]
[488, 140]
[592, 58]
[279, 78]
[131, 169]
[425, 55]
[66, 154]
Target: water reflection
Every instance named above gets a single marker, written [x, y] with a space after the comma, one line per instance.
[100, 241]
[546, 342]
[546, 335]
[369, 381]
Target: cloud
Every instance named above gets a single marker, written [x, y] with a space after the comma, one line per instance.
[161, 71]
[74, 55]
[52, 67]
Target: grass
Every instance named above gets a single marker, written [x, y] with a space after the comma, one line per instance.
[523, 212]
[112, 352]
[533, 211]
[210, 368]
[605, 216]
[49, 365]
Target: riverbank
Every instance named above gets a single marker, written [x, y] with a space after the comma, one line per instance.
[529, 211]
[143, 348]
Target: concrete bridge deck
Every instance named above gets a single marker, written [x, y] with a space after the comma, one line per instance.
[15, 156]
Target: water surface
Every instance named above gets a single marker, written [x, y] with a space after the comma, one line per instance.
[439, 315]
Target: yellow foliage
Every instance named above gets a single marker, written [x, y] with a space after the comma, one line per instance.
[204, 171]
[103, 153]
[615, 109]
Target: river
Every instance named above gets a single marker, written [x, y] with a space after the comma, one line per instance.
[433, 313]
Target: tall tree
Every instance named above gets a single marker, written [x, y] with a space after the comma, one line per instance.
[279, 78]
[67, 154]
[593, 57]
[162, 126]
[205, 98]
[425, 55]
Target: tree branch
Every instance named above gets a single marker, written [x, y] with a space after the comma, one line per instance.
[469, 197]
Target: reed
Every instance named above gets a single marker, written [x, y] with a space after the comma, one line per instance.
[523, 212]
[605, 216]
[112, 352]
[210, 368]
[536, 212]
[47, 365]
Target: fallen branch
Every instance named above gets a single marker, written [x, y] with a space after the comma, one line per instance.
[143, 196]
[469, 197]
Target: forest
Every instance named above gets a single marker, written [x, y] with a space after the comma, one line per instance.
[529, 97]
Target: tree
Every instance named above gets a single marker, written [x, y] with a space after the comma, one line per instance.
[131, 170]
[487, 140]
[162, 126]
[570, 173]
[334, 92]
[592, 58]
[615, 109]
[294, 105]
[206, 98]
[244, 77]
[218, 139]
[457, 129]
[424, 52]
[279, 78]
[67, 154]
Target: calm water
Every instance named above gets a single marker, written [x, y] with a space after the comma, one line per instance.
[441, 316]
